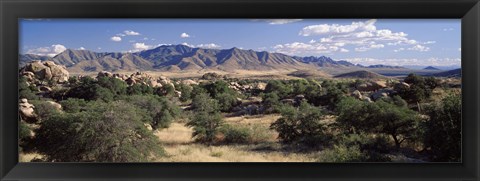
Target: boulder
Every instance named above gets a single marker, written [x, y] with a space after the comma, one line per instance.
[45, 89]
[45, 71]
[104, 74]
[189, 82]
[382, 93]
[57, 106]
[26, 110]
[357, 94]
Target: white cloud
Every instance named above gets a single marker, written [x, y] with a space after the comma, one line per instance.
[447, 29]
[366, 48]
[419, 48]
[140, 47]
[48, 51]
[209, 45]
[299, 48]
[459, 49]
[338, 29]
[116, 38]
[363, 35]
[131, 33]
[281, 21]
[432, 61]
[81, 48]
[145, 38]
[184, 35]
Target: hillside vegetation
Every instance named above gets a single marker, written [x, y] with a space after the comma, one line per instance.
[138, 117]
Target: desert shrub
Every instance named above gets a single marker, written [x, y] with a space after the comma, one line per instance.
[281, 89]
[43, 109]
[165, 90]
[139, 89]
[236, 134]
[72, 105]
[342, 153]
[206, 120]
[160, 110]
[443, 129]
[271, 102]
[218, 87]
[356, 116]
[226, 101]
[104, 88]
[301, 125]
[186, 91]
[420, 88]
[103, 132]
[373, 147]
[197, 90]
[25, 90]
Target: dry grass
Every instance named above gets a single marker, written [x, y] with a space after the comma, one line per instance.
[180, 147]
[28, 157]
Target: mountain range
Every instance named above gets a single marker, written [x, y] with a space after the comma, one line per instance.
[185, 58]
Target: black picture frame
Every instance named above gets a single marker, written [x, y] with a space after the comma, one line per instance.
[467, 10]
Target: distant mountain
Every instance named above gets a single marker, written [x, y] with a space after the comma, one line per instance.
[175, 58]
[378, 66]
[430, 68]
[324, 61]
[450, 73]
[364, 74]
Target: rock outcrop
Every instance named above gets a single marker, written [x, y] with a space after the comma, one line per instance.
[47, 71]
[26, 110]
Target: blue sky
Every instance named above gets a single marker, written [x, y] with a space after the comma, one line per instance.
[365, 41]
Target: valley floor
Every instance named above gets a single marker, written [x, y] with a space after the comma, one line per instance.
[180, 147]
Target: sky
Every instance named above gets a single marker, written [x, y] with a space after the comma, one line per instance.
[402, 42]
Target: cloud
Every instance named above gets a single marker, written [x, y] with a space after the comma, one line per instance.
[279, 21]
[419, 48]
[184, 35]
[208, 45]
[299, 48]
[48, 51]
[81, 48]
[131, 33]
[366, 48]
[459, 49]
[140, 47]
[362, 35]
[116, 38]
[448, 29]
[322, 29]
[432, 61]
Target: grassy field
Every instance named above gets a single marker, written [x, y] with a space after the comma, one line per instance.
[180, 146]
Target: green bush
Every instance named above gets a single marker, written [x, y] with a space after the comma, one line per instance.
[342, 153]
[236, 134]
[186, 91]
[206, 120]
[226, 101]
[73, 105]
[301, 125]
[443, 129]
[43, 109]
[355, 116]
[103, 132]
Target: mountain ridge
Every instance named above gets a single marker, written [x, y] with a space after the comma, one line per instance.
[185, 58]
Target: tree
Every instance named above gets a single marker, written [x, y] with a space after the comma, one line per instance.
[26, 90]
[160, 110]
[226, 101]
[271, 102]
[301, 125]
[419, 90]
[207, 119]
[186, 91]
[356, 116]
[443, 129]
[103, 132]
[281, 89]
[217, 88]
